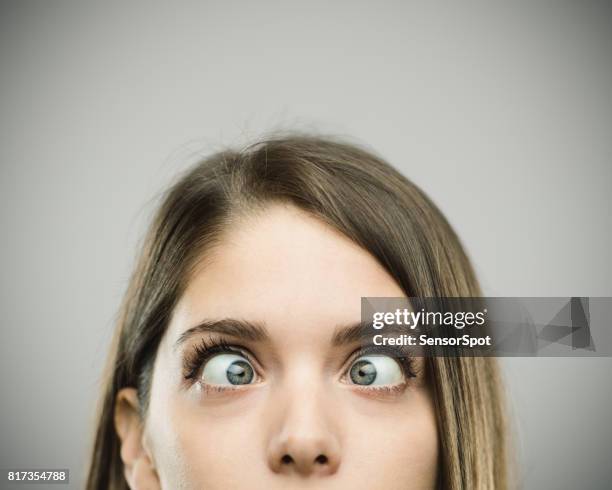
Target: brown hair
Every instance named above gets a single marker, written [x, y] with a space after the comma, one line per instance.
[367, 200]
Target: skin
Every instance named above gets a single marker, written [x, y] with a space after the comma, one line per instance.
[302, 422]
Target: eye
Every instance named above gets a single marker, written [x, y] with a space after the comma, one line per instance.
[228, 369]
[376, 370]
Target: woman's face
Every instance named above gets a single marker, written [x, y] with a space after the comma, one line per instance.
[255, 385]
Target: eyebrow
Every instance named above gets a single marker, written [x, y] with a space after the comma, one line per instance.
[360, 332]
[241, 329]
[351, 333]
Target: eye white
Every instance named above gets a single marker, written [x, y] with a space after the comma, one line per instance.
[375, 370]
[228, 369]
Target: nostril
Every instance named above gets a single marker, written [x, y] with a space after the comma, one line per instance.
[321, 459]
[286, 459]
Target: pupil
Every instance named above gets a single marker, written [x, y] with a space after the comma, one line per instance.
[363, 373]
[239, 373]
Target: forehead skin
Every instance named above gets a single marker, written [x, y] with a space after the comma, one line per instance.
[285, 263]
[301, 278]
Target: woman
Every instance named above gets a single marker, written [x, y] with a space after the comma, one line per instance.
[232, 366]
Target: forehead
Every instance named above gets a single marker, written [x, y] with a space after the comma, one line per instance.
[283, 265]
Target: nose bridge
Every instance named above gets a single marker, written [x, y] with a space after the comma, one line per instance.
[304, 437]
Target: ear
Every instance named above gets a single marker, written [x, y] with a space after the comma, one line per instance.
[139, 470]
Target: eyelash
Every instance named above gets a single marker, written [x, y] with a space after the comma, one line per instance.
[406, 363]
[203, 352]
[207, 349]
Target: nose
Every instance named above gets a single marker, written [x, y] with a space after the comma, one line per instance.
[305, 442]
[304, 454]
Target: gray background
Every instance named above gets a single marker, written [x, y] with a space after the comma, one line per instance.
[502, 113]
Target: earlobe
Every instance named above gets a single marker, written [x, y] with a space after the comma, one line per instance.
[138, 468]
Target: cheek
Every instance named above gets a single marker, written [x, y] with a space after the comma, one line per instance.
[204, 447]
[398, 443]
